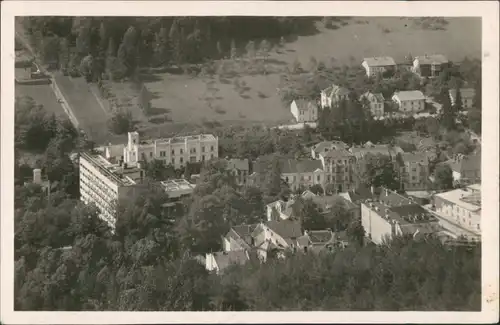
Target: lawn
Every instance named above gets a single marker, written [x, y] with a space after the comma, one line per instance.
[43, 95]
[183, 101]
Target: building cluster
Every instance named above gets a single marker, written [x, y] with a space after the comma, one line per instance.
[407, 102]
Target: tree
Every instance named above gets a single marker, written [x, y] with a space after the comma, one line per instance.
[250, 48]
[51, 48]
[127, 51]
[443, 177]
[317, 189]
[448, 111]
[458, 100]
[309, 214]
[380, 171]
[83, 41]
[234, 50]
[86, 67]
[121, 122]
[220, 51]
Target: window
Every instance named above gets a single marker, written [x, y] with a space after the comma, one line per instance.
[173, 152]
[413, 169]
[309, 178]
[193, 150]
[181, 151]
[173, 161]
[212, 155]
[203, 158]
[162, 153]
[413, 178]
[339, 161]
[212, 148]
[319, 178]
[203, 149]
[286, 178]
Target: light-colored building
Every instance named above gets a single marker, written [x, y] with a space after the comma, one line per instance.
[239, 238]
[338, 167]
[105, 184]
[240, 169]
[378, 65]
[177, 188]
[276, 235]
[412, 101]
[375, 103]
[467, 95]
[461, 206]
[304, 111]
[382, 222]
[303, 173]
[332, 95]
[279, 210]
[415, 171]
[176, 151]
[430, 66]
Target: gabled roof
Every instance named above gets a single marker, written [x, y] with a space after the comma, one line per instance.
[321, 146]
[337, 153]
[225, 259]
[420, 157]
[409, 95]
[373, 97]
[320, 236]
[393, 199]
[286, 228]
[293, 166]
[464, 92]
[335, 90]
[325, 202]
[432, 59]
[379, 61]
[239, 164]
[305, 104]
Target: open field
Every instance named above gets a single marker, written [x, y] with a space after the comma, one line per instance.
[43, 95]
[182, 101]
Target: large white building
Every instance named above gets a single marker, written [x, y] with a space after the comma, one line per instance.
[176, 151]
[104, 184]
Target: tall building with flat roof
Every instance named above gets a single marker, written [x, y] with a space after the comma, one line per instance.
[176, 151]
[103, 183]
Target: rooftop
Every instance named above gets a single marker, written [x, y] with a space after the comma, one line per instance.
[464, 92]
[286, 228]
[293, 166]
[373, 97]
[432, 59]
[303, 103]
[379, 61]
[225, 259]
[475, 187]
[114, 172]
[183, 139]
[464, 198]
[392, 198]
[337, 153]
[419, 157]
[335, 90]
[320, 236]
[405, 214]
[409, 95]
[239, 164]
[173, 185]
[328, 145]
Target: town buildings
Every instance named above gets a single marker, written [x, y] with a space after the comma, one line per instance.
[176, 151]
[430, 66]
[304, 111]
[176, 189]
[461, 206]
[333, 95]
[279, 210]
[240, 169]
[219, 261]
[338, 164]
[325, 146]
[393, 215]
[467, 95]
[412, 101]
[379, 66]
[414, 171]
[104, 184]
[375, 103]
[302, 173]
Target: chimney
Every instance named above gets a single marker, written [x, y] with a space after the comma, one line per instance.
[37, 176]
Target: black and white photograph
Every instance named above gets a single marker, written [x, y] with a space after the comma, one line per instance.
[161, 158]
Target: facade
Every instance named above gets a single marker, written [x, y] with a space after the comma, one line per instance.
[276, 235]
[302, 173]
[176, 151]
[304, 111]
[412, 101]
[279, 210]
[467, 95]
[333, 94]
[461, 206]
[240, 169]
[414, 172]
[105, 184]
[338, 165]
[375, 103]
[466, 169]
[430, 66]
[382, 222]
[378, 66]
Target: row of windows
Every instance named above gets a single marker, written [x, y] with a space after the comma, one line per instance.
[181, 151]
[85, 174]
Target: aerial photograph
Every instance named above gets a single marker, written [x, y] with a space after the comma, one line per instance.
[247, 163]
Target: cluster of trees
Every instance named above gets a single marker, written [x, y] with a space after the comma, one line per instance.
[119, 45]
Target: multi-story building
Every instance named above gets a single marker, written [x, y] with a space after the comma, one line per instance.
[176, 151]
[303, 173]
[461, 206]
[375, 103]
[379, 66]
[338, 167]
[382, 221]
[325, 146]
[105, 184]
[412, 101]
[467, 95]
[430, 66]
[332, 95]
[414, 172]
[240, 169]
[304, 111]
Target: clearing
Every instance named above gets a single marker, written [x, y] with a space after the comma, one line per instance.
[43, 95]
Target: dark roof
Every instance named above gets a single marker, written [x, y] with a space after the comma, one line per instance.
[380, 61]
[337, 153]
[320, 147]
[361, 193]
[286, 228]
[325, 202]
[393, 199]
[292, 166]
[432, 59]
[407, 210]
[320, 236]
[239, 164]
[225, 259]
[242, 232]
[464, 92]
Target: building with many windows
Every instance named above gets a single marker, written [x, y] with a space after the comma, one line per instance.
[414, 171]
[338, 164]
[176, 151]
[430, 66]
[379, 66]
[104, 184]
[409, 101]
